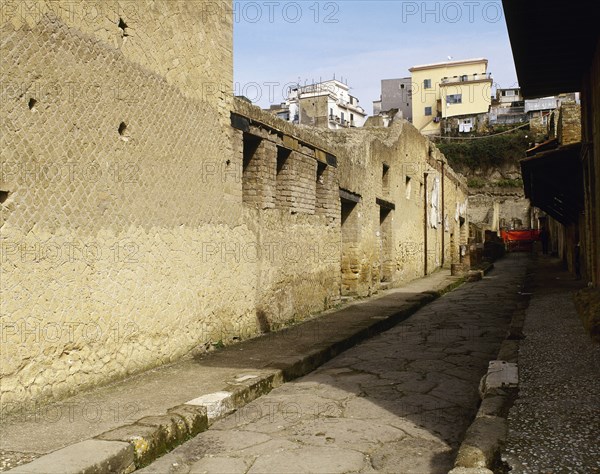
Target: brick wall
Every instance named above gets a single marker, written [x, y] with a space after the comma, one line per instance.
[569, 124]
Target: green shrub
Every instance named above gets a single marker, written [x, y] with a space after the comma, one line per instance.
[485, 152]
[509, 183]
[476, 182]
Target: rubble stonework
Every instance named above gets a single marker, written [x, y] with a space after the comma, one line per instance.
[495, 207]
[568, 129]
[146, 214]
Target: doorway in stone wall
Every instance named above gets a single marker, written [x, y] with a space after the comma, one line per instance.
[386, 264]
[350, 252]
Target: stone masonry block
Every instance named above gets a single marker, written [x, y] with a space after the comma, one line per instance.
[501, 374]
[482, 443]
[217, 404]
[149, 442]
[173, 427]
[90, 457]
[195, 418]
[470, 470]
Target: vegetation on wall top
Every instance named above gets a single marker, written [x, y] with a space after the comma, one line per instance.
[485, 152]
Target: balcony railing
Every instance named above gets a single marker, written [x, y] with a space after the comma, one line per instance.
[339, 121]
[467, 78]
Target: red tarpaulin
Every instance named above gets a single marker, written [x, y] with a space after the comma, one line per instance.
[520, 235]
[519, 240]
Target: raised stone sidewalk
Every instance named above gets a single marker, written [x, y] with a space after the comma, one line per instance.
[554, 425]
[540, 411]
[124, 426]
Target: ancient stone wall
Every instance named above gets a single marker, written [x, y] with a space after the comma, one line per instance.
[144, 218]
[569, 124]
[539, 128]
[493, 208]
[392, 180]
[118, 182]
[188, 43]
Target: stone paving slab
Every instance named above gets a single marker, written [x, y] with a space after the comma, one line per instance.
[91, 456]
[246, 370]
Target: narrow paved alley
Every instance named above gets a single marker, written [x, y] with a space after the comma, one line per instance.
[399, 402]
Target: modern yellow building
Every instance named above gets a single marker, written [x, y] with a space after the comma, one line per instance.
[450, 89]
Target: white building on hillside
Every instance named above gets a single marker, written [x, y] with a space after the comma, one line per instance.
[326, 104]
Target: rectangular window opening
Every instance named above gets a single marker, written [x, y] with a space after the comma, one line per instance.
[385, 179]
[408, 187]
[348, 208]
[282, 179]
[321, 167]
[250, 145]
[322, 196]
[282, 156]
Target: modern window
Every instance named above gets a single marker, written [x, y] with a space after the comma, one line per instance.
[454, 99]
[427, 110]
[427, 83]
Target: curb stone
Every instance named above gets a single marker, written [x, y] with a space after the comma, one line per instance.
[482, 443]
[132, 446]
[481, 449]
[478, 273]
[470, 470]
[90, 457]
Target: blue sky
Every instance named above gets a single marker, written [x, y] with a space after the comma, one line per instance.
[278, 42]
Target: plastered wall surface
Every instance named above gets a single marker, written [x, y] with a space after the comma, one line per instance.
[113, 206]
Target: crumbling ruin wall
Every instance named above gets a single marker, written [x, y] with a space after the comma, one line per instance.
[145, 213]
[568, 129]
[396, 175]
[291, 205]
[493, 208]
